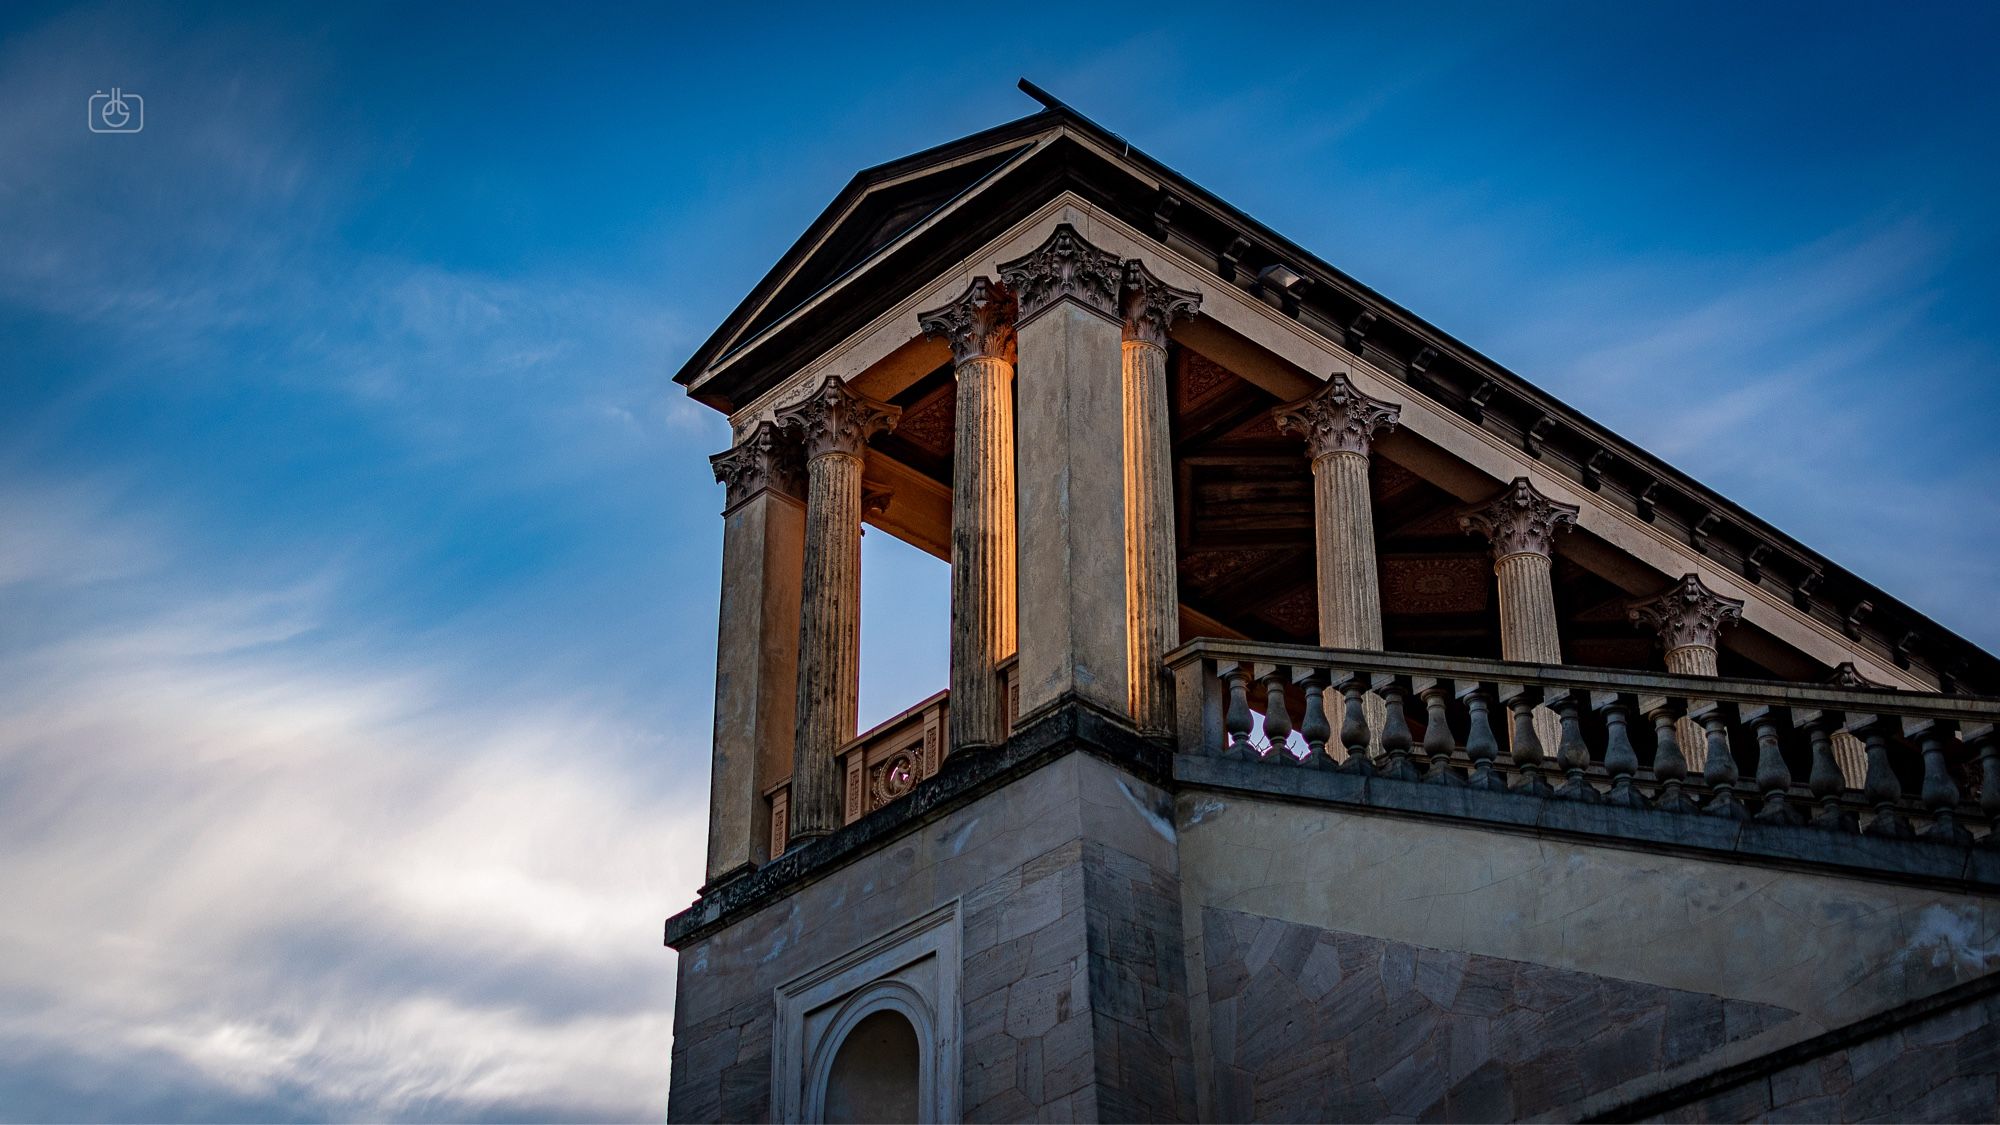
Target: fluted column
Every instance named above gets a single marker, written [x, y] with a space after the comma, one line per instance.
[757, 639]
[1689, 618]
[1339, 425]
[1522, 525]
[834, 424]
[1152, 590]
[1070, 486]
[979, 326]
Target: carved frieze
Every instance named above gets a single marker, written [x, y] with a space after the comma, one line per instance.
[1688, 614]
[1065, 268]
[834, 419]
[978, 325]
[1337, 418]
[1520, 520]
[1845, 674]
[1152, 306]
[763, 461]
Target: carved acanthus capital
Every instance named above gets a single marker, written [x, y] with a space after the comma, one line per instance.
[1065, 268]
[834, 419]
[1688, 614]
[763, 461]
[1337, 418]
[1152, 306]
[979, 324]
[1520, 520]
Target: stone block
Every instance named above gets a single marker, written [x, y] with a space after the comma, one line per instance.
[1439, 974]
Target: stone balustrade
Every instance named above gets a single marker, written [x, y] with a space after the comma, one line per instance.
[1933, 761]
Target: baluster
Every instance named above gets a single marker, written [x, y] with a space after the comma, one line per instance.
[1236, 718]
[1940, 793]
[1481, 746]
[1314, 727]
[1774, 776]
[1527, 745]
[1827, 783]
[1573, 754]
[1985, 737]
[1354, 727]
[1277, 717]
[1669, 765]
[1396, 739]
[1438, 742]
[1883, 788]
[1621, 761]
[1720, 769]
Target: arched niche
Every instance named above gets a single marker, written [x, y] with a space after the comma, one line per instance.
[875, 1073]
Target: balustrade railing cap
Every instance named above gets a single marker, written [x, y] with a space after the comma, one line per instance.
[1363, 663]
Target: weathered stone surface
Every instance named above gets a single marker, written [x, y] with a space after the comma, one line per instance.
[1933, 1059]
[1408, 1033]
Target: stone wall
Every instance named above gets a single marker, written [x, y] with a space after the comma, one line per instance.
[1072, 988]
[1944, 1066]
[1310, 1024]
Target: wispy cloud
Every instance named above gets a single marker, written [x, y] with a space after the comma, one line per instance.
[283, 881]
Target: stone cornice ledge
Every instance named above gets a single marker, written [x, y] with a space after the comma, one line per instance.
[1068, 725]
[1959, 867]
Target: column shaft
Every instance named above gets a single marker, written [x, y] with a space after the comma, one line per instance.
[1693, 660]
[1152, 590]
[1527, 609]
[756, 658]
[1350, 594]
[982, 551]
[1071, 492]
[829, 674]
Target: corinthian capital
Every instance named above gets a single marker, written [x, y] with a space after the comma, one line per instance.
[1687, 614]
[1152, 306]
[1065, 268]
[764, 461]
[1520, 520]
[834, 419]
[979, 324]
[1337, 418]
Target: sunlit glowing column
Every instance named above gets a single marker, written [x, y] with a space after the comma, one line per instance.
[1339, 425]
[1522, 525]
[1152, 590]
[1071, 484]
[1689, 618]
[834, 424]
[757, 644]
[979, 326]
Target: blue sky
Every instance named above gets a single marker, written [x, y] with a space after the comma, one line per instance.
[358, 559]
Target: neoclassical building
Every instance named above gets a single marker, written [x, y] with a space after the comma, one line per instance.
[1339, 727]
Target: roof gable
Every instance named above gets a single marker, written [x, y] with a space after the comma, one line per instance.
[903, 223]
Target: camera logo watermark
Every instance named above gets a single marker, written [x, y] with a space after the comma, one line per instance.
[117, 112]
